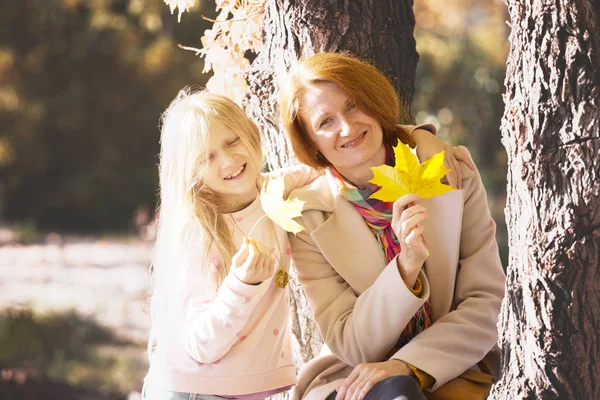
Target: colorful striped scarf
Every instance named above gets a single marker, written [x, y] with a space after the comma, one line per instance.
[378, 216]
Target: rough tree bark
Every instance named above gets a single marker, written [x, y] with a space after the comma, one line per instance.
[551, 316]
[378, 31]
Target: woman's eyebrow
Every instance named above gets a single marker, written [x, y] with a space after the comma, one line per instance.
[319, 113]
[317, 116]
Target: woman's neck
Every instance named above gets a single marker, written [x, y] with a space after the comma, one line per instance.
[360, 175]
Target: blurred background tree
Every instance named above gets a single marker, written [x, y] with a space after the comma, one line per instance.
[82, 87]
[463, 46]
[83, 84]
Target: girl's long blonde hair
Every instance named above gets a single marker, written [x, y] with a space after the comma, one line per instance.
[189, 215]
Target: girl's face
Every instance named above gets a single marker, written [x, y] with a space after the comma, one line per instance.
[348, 138]
[232, 170]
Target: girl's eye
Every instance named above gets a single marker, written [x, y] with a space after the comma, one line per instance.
[350, 106]
[234, 141]
[324, 122]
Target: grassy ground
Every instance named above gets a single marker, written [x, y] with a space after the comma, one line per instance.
[72, 321]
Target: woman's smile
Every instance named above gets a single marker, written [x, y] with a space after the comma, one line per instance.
[355, 142]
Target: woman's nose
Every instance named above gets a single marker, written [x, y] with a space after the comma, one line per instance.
[345, 127]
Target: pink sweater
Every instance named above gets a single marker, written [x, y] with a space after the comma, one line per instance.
[237, 340]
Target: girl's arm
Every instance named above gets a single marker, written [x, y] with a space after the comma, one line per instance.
[428, 144]
[213, 320]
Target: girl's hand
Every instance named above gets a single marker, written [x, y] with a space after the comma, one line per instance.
[365, 376]
[253, 264]
[428, 145]
[407, 218]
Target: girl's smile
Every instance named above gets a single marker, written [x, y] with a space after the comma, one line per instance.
[237, 173]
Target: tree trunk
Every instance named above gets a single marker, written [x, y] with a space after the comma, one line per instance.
[378, 31]
[551, 316]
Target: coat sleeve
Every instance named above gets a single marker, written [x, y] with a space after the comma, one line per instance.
[461, 338]
[356, 328]
[213, 320]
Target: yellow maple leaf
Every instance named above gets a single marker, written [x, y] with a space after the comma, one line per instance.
[280, 211]
[408, 176]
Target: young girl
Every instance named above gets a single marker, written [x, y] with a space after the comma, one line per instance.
[220, 313]
[220, 322]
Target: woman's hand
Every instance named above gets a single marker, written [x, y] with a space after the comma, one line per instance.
[407, 218]
[365, 376]
[428, 145]
[253, 264]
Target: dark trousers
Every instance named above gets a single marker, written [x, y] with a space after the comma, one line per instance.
[398, 387]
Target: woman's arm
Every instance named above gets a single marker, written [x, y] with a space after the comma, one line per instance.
[461, 338]
[356, 328]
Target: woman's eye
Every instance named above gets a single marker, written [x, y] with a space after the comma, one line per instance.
[324, 122]
[234, 141]
[350, 106]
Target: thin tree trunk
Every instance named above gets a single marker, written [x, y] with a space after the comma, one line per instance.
[378, 31]
[550, 319]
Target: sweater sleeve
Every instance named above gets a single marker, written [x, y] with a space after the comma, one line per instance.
[425, 380]
[212, 324]
[406, 134]
[348, 322]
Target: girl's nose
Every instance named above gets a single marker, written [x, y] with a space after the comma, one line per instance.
[228, 159]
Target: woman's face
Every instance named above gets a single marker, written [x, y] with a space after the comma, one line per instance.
[349, 139]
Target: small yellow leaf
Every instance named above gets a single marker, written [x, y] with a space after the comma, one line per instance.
[280, 211]
[408, 176]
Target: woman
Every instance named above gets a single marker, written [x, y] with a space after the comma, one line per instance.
[409, 289]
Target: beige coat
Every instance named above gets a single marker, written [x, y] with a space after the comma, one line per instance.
[361, 305]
